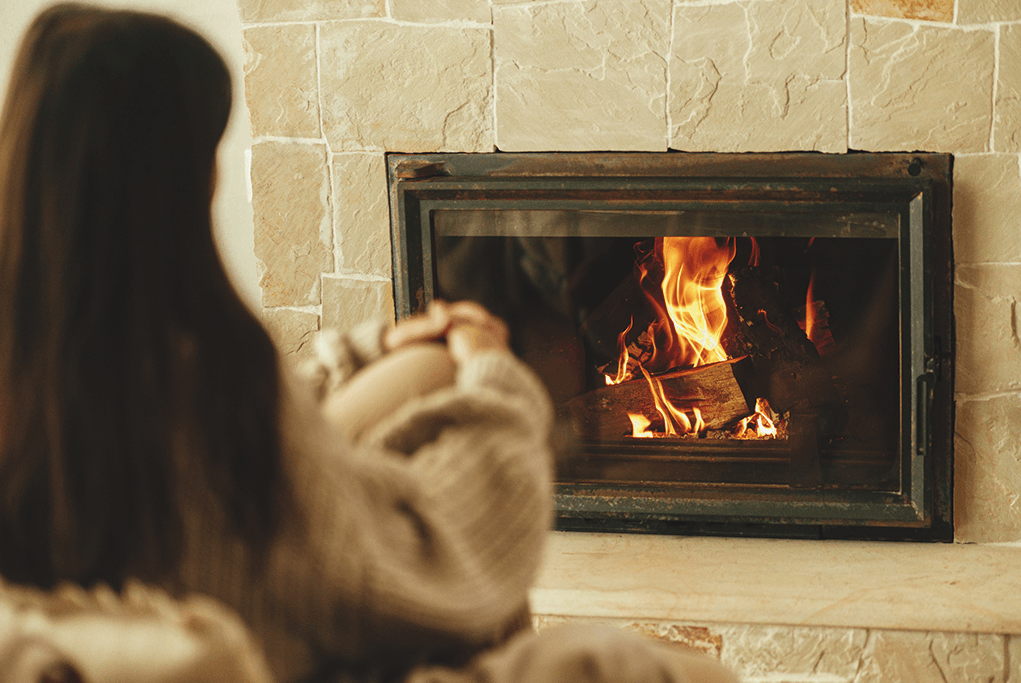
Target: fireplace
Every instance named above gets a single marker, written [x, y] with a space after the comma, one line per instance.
[736, 344]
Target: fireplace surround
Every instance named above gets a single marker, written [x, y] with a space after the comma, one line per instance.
[865, 410]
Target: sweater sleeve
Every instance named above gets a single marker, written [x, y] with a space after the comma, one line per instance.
[338, 355]
[428, 534]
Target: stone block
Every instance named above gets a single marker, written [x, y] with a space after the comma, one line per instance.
[907, 92]
[293, 331]
[931, 657]
[390, 87]
[1014, 659]
[759, 76]
[923, 10]
[987, 471]
[794, 652]
[281, 86]
[986, 309]
[436, 11]
[700, 638]
[361, 214]
[987, 209]
[1007, 125]
[347, 302]
[985, 11]
[309, 10]
[292, 221]
[581, 76]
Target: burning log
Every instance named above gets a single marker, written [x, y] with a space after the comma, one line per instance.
[626, 306]
[760, 326]
[723, 393]
[793, 378]
[814, 320]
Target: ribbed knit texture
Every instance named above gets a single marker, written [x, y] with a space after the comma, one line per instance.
[419, 542]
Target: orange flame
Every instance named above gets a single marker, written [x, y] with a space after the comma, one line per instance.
[622, 370]
[809, 309]
[694, 271]
[675, 422]
[759, 425]
[640, 426]
[753, 258]
[691, 318]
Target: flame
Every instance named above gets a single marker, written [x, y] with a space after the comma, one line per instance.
[675, 421]
[809, 309]
[622, 370]
[640, 426]
[758, 425]
[694, 271]
[691, 318]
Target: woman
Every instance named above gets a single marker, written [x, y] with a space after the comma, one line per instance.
[147, 429]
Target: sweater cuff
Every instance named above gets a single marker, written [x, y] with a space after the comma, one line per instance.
[341, 354]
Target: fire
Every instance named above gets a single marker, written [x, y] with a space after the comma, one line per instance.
[757, 425]
[809, 309]
[622, 370]
[692, 316]
[675, 421]
[640, 426]
[695, 312]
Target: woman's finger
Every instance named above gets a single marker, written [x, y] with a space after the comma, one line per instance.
[429, 326]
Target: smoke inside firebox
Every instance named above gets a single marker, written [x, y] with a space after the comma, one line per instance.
[698, 332]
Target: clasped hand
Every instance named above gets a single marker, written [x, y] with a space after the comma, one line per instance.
[467, 327]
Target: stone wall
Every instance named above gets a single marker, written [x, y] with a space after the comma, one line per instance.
[332, 85]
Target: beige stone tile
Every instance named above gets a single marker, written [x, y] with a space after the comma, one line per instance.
[931, 658]
[907, 92]
[987, 209]
[406, 88]
[986, 309]
[435, 11]
[293, 331]
[701, 638]
[347, 302]
[983, 11]
[802, 652]
[581, 75]
[1014, 659]
[361, 214]
[280, 80]
[293, 227]
[1007, 126]
[309, 10]
[923, 10]
[987, 470]
[759, 76]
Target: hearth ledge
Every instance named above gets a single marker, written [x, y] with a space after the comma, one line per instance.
[911, 586]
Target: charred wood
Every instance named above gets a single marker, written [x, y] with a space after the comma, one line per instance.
[786, 362]
[626, 306]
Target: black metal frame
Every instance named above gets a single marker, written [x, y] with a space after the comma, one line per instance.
[915, 188]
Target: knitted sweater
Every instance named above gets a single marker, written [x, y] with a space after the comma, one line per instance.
[418, 542]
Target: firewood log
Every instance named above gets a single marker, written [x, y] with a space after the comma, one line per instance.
[723, 392]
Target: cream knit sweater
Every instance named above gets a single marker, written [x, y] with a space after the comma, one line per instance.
[417, 543]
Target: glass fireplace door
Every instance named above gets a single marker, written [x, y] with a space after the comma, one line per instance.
[725, 354]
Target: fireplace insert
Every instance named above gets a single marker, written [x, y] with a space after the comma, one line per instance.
[736, 344]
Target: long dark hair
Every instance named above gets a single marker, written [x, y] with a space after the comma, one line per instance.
[122, 342]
